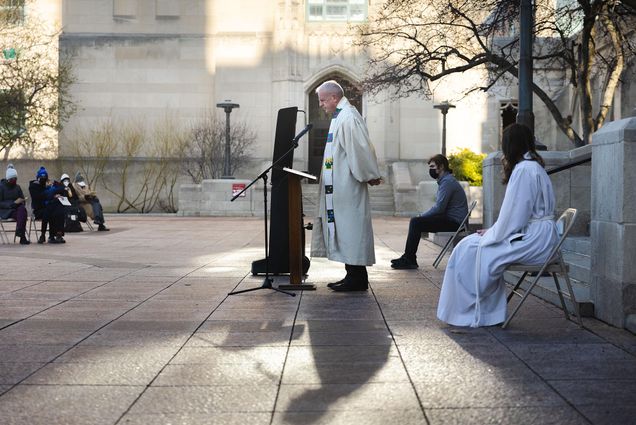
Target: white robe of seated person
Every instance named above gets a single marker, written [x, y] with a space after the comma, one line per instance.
[473, 291]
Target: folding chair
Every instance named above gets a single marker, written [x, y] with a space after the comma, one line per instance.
[4, 233]
[553, 265]
[88, 224]
[33, 225]
[463, 227]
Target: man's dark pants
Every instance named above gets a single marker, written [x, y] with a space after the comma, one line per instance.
[419, 225]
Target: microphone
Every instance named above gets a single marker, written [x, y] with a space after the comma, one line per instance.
[302, 133]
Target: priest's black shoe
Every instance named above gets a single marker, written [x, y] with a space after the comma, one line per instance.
[404, 264]
[351, 286]
[332, 284]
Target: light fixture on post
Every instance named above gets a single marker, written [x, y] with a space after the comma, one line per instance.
[444, 107]
[227, 106]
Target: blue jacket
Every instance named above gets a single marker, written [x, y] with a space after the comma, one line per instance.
[451, 200]
[42, 195]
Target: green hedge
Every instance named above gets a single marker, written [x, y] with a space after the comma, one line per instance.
[467, 166]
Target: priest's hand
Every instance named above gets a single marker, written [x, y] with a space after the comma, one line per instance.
[481, 232]
[375, 182]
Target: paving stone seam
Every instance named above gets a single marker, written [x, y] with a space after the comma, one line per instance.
[63, 301]
[96, 330]
[289, 344]
[397, 348]
[147, 386]
[545, 381]
[72, 346]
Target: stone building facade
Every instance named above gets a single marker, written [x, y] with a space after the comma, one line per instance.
[146, 58]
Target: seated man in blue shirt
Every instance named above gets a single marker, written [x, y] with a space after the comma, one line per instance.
[446, 215]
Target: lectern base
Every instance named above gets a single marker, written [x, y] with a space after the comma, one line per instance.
[298, 287]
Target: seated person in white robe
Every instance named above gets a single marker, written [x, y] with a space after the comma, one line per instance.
[473, 291]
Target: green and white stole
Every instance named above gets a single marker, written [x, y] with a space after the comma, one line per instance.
[327, 177]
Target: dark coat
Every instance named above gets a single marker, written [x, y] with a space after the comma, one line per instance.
[8, 194]
[41, 195]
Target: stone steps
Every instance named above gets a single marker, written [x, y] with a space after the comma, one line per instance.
[381, 198]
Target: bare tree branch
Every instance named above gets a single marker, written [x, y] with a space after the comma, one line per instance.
[413, 42]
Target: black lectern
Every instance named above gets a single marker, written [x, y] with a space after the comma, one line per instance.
[279, 217]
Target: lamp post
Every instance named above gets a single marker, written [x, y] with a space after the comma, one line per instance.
[444, 107]
[525, 114]
[227, 106]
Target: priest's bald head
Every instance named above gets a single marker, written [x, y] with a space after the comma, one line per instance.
[329, 94]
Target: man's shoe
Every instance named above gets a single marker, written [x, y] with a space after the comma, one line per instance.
[41, 239]
[404, 264]
[350, 286]
[395, 260]
[332, 284]
[60, 239]
[24, 240]
[102, 228]
[53, 239]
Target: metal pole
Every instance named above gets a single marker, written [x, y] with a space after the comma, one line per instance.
[525, 114]
[226, 166]
[444, 112]
[443, 108]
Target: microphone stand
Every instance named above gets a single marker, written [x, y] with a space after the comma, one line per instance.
[267, 282]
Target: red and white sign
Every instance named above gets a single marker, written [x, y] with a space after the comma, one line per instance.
[236, 188]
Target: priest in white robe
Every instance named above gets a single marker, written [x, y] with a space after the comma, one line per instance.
[473, 291]
[343, 231]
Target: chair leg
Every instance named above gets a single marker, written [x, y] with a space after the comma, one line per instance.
[523, 298]
[3, 234]
[516, 287]
[441, 254]
[560, 292]
[577, 313]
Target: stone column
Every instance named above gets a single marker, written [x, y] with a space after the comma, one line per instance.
[613, 224]
[493, 189]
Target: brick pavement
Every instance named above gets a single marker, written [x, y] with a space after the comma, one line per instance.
[134, 326]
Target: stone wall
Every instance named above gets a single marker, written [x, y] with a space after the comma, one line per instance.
[214, 198]
[613, 224]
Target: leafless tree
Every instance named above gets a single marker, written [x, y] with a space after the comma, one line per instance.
[207, 147]
[414, 42]
[137, 165]
[34, 81]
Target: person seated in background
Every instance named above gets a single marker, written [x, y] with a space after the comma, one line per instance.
[89, 201]
[446, 215]
[74, 214]
[47, 207]
[12, 203]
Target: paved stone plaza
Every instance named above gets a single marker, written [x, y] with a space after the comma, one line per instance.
[135, 326]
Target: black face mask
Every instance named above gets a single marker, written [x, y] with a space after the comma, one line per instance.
[433, 173]
[42, 181]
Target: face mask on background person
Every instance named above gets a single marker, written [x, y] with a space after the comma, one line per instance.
[433, 173]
